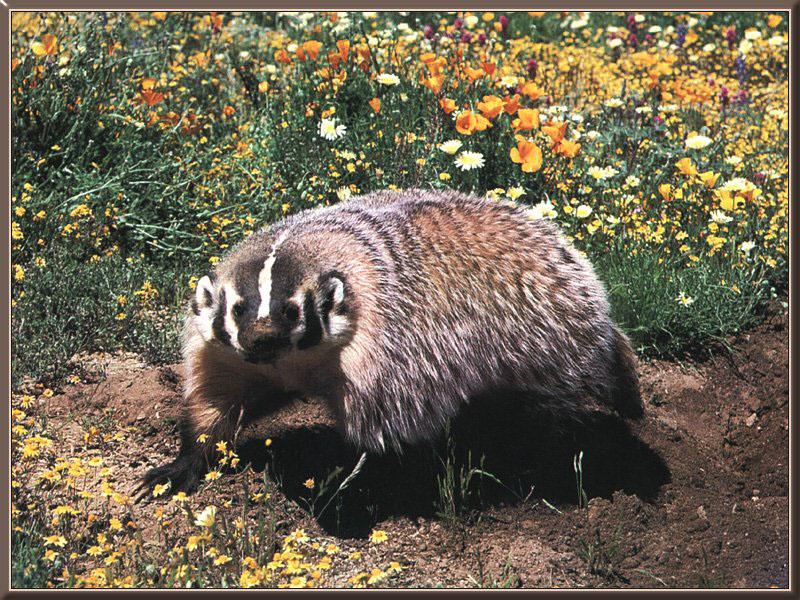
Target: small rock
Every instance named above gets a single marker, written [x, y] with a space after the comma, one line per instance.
[701, 512]
[751, 420]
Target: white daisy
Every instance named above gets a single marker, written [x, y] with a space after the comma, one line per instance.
[450, 146]
[330, 130]
[466, 161]
[388, 79]
[698, 142]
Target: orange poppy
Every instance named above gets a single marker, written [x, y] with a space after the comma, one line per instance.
[473, 74]
[532, 91]
[47, 47]
[468, 122]
[310, 48]
[568, 149]
[433, 83]
[555, 131]
[282, 56]
[150, 97]
[528, 154]
[511, 104]
[491, 106]
[344, 49]
[447, 105]
[527, 119]
[375, 104]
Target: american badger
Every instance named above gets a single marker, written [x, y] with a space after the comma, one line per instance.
[397, 308]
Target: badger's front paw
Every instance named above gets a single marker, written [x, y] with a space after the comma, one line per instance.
[183, 475]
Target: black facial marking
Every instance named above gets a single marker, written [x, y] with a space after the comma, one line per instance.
[239, 311]
[218, 325]
[208, 299]
[313, 333]
[195, 307]
[291, 313]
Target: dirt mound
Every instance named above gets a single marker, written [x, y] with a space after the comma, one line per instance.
[694, 495]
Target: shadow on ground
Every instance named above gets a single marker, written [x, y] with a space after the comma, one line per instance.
[531, 453]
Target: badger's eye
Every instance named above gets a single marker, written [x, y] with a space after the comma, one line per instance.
[239, 309]
[291, 313]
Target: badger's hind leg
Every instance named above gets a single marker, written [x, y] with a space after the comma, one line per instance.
[624, 395]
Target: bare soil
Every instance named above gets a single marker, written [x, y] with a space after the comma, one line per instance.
[696, 494]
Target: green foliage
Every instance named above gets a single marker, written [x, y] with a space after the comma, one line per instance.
[144, 146]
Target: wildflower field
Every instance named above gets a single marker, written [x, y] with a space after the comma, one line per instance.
[144, 145]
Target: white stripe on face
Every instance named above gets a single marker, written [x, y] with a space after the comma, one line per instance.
[231, 298]
[265, 280]
[265, 286]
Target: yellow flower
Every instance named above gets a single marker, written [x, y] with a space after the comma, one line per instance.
[48, 46]
[709, 178]
[774, 20]
[515, 192]
[213, 475]
[309, 483]
[378, 536]
[222, 559]
[583, 211]
[19, 273]
[686, 166]
[55, 540]
[249, 579]
[160, 488]
[206, 516]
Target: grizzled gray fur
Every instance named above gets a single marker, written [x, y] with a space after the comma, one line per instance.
[397, 308]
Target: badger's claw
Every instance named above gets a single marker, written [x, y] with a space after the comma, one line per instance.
[183, 474]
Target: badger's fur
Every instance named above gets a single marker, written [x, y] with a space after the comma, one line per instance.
[397, 308]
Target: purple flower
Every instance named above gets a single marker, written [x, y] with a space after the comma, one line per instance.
[427, 31]
[740, 64]
[730, 37]
[481, 38]
[503, 22]
[532, 65]
[466, 37]
[458, 23]
[724, 95]
[632, 23]
[681, 38]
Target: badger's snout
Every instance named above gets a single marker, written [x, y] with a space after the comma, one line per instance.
[262, 341]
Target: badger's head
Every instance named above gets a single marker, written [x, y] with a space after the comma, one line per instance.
[266, 309]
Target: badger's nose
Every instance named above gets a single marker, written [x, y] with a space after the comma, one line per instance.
[263, 328]
[262, 340]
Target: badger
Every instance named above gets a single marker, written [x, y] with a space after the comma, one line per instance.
[396, 308]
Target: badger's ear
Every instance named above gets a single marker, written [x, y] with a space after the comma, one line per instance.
[331, 292]
[204, 294]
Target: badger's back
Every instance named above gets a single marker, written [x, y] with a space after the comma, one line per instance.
[457, 296]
